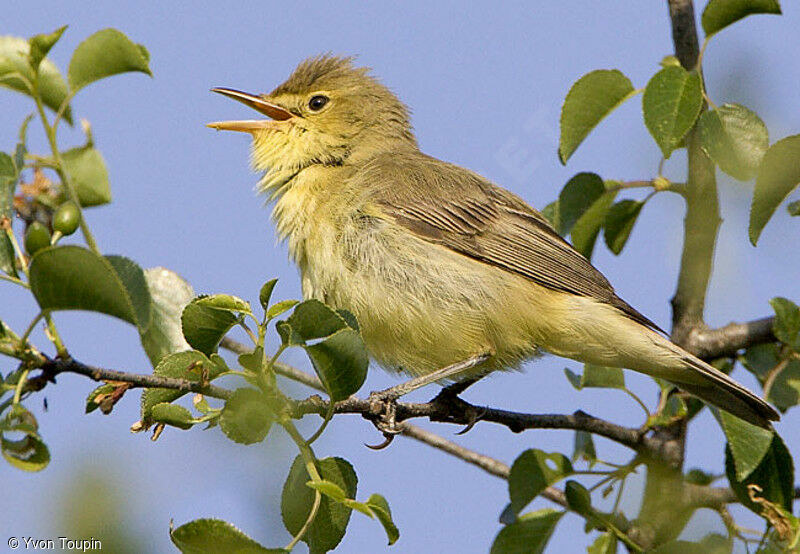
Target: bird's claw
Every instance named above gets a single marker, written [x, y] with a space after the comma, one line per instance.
[387, 440]
[383, 408]
[474, 417]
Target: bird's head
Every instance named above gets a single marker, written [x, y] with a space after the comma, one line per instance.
[327, 112]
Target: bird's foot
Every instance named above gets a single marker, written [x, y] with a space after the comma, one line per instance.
[383, 408]
[383, 404]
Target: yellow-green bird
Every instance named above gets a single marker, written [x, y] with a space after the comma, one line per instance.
[437, 263]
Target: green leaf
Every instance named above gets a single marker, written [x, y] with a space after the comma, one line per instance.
[21, 149]
[528, 535]
[775, 476]
[710, 544]
[794, 208]
[132, 277]
[584, 232]
[172, 414]
[787, 322]
[597, 376]
[14, 62]
[191, 365]
[341, 362]
[697, 476]
[579, 499]
[735, 138]
[604, 544]
[280, 307]
[266, 292]
[672, 101]
[577, 196]
[785, 391]
[252, 361]
[225, 302]
[106, 53]
[584, 448]
[7, 256]
[375, 507]
[748, 443]
[19, 419]
[575, 379]
[87, 169]
[550, 213]
[74, 278]
[40, 45]
[590, 99]
[380, 508]
[674, 408]
[669, 61]
[314, 320]
[204, 325]
[202, 536]
[778, 176]
[760, 359]
[328, 528]
[349, 319]
[8, 171]
[91, 401]
[169, 294]
[246, 417]
[8, 182]
[329, 489]
[718, 14]
[531, 473]
[27, 454]
[619, 222]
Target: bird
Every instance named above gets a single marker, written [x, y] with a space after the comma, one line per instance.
[437, 263]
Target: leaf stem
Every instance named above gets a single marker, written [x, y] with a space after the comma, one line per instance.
[17, 250]
[53, 335]
[20, 385]
[14, 280]
[30, 328]
[309, 520]
[50, 131]
[325, 421]
[638, 401]
[249, 332]
[311, 467]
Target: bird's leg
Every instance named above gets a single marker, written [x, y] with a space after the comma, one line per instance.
[384, 402]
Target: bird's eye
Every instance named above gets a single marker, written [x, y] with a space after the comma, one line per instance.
[317, 102]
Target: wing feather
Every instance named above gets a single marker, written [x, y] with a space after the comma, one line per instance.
[451, 206]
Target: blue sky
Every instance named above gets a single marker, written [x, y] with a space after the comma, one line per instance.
[485, 83]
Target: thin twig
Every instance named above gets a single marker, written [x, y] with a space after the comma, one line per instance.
[54, 367]
[486, 463]
[280, 368]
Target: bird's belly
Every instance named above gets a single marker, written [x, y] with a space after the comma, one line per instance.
[422, 307]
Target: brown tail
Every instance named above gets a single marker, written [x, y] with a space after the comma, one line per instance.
[716, 388]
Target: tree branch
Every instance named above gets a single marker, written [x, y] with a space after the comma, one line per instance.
[447, 408]
[490, 465]
[728, 340]
[684, 33]
[53, 367]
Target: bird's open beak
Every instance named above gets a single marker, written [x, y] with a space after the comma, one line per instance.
[273, 111]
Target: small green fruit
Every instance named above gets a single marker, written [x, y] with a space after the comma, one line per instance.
[36, 237]
[67, 218]
[578, 498]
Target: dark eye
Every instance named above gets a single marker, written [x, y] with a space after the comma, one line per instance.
[317, 102]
